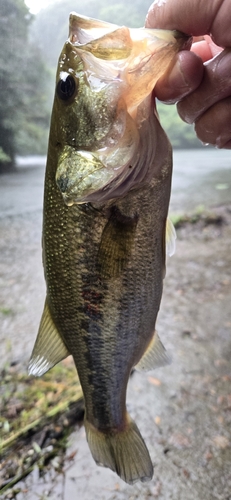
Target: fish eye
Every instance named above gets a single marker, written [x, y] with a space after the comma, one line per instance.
[66, 88]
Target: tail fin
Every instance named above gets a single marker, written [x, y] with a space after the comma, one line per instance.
[124, 452]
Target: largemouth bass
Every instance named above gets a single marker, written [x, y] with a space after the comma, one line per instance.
[107, 189]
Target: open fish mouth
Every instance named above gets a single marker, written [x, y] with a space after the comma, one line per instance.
[84, 30]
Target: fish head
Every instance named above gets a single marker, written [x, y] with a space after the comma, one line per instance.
[105, 78]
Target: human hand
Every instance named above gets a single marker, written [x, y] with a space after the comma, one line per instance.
[203, 91]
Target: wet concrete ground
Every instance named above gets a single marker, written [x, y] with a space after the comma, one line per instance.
[184, 410]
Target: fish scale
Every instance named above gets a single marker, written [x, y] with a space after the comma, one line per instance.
[107, 190]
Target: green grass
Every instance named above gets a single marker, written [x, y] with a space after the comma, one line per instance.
[26, 401]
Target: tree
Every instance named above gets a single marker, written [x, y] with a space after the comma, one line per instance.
[20, 79]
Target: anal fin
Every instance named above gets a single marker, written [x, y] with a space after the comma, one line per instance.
[49, 347]
[155, 356]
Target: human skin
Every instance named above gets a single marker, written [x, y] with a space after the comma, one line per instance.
[198, 81]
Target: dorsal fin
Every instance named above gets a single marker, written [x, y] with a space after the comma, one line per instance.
[49, 347]
[154, 356]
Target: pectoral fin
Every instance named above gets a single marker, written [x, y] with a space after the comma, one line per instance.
[116, 243]
[170, 237]
[154, 356]
[169, 242]
[49, 348]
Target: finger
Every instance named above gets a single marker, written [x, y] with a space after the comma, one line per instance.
[216, 85]
[214, 126]
[206, 49]
[196, 18]
[184, 77]
[202, 49]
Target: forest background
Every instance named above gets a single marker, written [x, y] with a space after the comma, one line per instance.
[30, 47]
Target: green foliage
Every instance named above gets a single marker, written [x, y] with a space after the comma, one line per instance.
[4, 158]
[12, 21]
[21, 82]
[180, 134]
[120, 14]
[34, 113]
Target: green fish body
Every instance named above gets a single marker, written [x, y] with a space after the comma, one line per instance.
[107, 190]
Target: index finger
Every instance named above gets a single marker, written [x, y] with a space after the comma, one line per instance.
[194, 18]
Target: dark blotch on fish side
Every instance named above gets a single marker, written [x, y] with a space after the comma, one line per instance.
[91, 311]
[62, 182]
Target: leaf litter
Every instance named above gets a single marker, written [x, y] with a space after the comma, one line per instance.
[36, 418]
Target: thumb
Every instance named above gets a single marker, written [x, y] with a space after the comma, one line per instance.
[184, 76]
